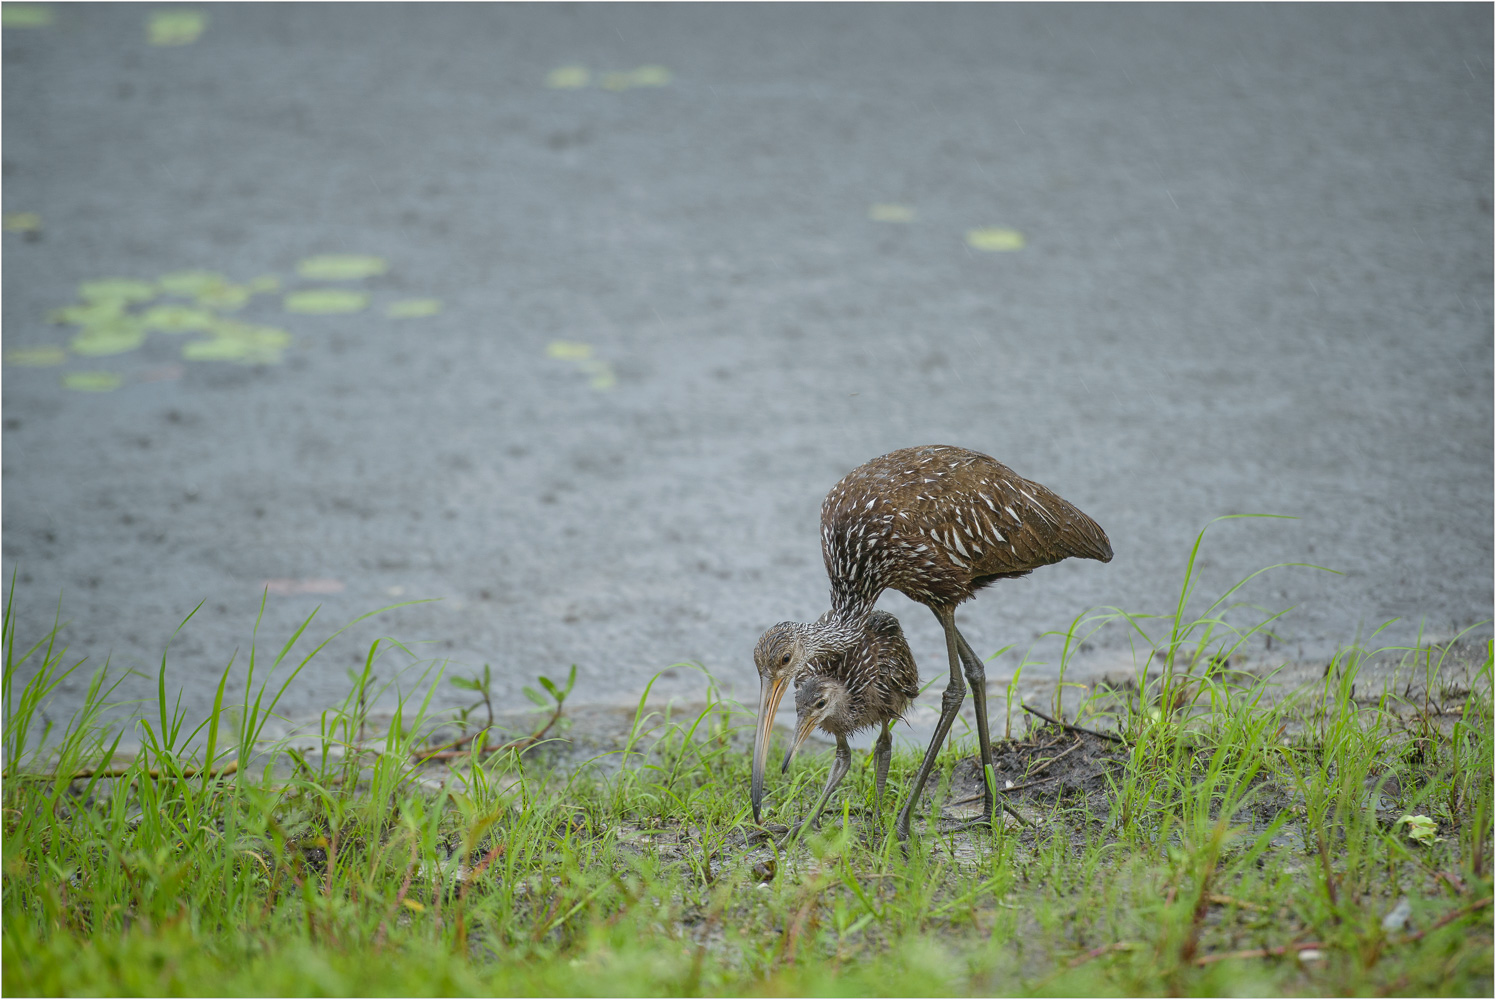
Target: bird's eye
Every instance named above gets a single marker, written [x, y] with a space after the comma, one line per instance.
[821, 703]
[784, 659]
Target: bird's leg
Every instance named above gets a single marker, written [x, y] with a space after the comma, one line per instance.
[882, 753]
[839, 768]
[950, 704]
[976, 676]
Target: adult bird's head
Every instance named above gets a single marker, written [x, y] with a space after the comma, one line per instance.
[817, 699]
[782, 652]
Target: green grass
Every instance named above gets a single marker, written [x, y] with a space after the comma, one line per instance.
[1240, 824]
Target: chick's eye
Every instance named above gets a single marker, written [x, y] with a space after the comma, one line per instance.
[821, 703]
[784, 659]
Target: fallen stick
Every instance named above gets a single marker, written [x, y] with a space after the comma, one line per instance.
[1077, 729]
[519, 744]
[1282, 949]
[1463, 911]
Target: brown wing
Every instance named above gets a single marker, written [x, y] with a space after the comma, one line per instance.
[938, 522]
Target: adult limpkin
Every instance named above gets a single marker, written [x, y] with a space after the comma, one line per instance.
[872, 684]
[936, 523]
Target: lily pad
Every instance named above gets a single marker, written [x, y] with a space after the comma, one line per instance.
[566, 350]
[25, 15]
[117, 290]
[323, 301]
[22, 222]
[265, 283]
[341, 267]
[94, 314]
[994, 239]
[242, 342]
[36, 357]
[568, 77]
[125, 334]
[92, 381]
[602, 374]
[644, 76]
[890, 213]
[413, 308]
[175, 26]
[224, 297]
[190, 284]
[177, 319]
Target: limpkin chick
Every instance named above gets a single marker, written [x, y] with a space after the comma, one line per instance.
[937, 524]
[843, 696]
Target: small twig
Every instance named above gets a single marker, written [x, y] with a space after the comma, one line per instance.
[519, 744]
[1068, 750]
[1095, 953]
[1078, 729]
[1231, 901]
[1282, 949]
[1464, 911]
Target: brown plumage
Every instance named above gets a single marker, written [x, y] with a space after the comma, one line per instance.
[936, 523]
[872, 684]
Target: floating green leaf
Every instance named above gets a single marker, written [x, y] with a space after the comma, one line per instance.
[566, 350]
[36, 357]
[117, 290]
[175, 26]
[321, 301]
[92, 381]
[177, 319]
[994, 239]
[568, 77]
[413, 308]
[242, 342]
[190, 284]
[22, 222]
[890, 213]
[341, 267]
[265, 283]
[94, 314]
[25, 15]
[124, 334]
[224, 297]
[644, 76]
[602, 374]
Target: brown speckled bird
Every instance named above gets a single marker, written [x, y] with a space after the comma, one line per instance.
[873, 684]
[936, 523]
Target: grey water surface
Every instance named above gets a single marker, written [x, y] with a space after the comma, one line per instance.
[1247, 269]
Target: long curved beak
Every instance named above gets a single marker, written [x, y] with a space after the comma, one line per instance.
[803, 728]
[770, 693]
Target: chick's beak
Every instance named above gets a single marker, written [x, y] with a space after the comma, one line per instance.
[803, 729]
[771, 692]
